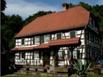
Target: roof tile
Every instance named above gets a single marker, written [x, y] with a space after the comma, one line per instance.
[72, 18]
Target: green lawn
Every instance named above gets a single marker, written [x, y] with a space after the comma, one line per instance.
[94, 75]
[36, 75]
[47, 75]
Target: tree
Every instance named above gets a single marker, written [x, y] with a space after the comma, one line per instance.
[3, 5]
[9, 28]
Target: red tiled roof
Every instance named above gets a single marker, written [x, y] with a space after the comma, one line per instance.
[42, 46]
[72, 18]
[61, 42]
[22, 48]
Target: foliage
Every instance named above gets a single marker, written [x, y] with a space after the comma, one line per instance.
[9, 28]
[97, 12]
[78, 67]
[3, 6]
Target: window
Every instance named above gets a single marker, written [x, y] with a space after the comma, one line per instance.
[58, 35]
[36, 55]
[78, 53]
[28, 41]
[46, 38]
[78, 32]
[37, 40]
[22, 41]
[72, 34]
[23, 55]
[65, 35]
[54, 36]
[28, 55]
[17, 56]
[61, 53]
[36, 58]
[18, 42]
[41, 39]
[29, 58]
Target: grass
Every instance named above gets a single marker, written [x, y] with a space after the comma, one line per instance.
[47, 75]
[94, 75]
[36, 75]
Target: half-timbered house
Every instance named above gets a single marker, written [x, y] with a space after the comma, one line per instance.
[57, 38]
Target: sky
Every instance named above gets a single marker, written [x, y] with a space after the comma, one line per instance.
[25, 8]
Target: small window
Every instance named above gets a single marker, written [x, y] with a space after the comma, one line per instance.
[23, 41]
[46, 38]
[18, 42]
[37, 39]
[23, 55]
[33, 40]
[60, 54]
[72, 34]
[17, 56]
[28, 41]
[78, 53]
[28, 55]
[36, 55]
[54, 36]
[58, 35]
[65, 35]
[41, 39]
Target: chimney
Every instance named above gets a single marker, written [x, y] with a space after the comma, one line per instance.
[65, 6]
